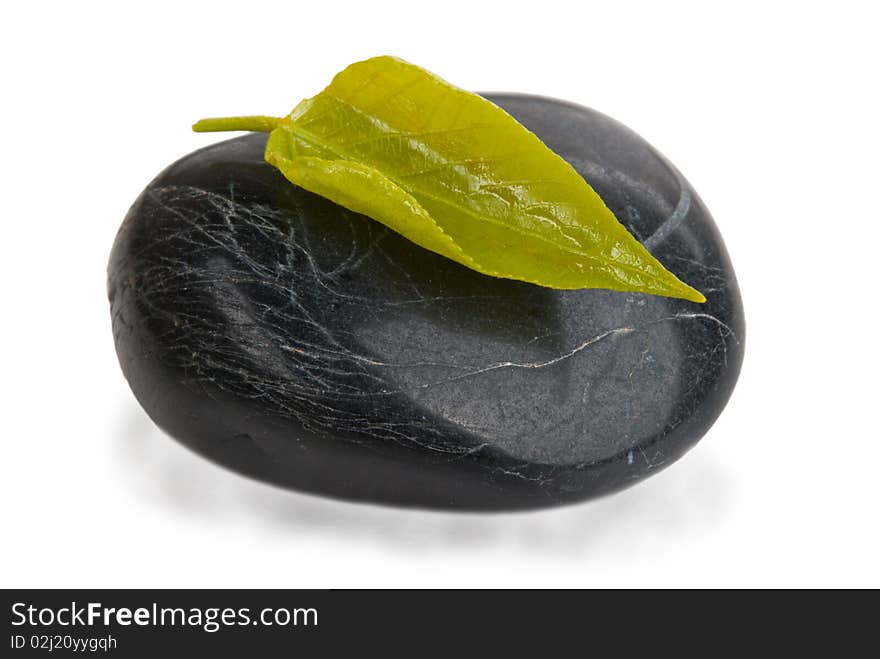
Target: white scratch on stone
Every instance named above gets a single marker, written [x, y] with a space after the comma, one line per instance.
[544, 364]
[678, 214]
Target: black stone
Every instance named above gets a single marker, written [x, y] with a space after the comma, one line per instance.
[295, 341]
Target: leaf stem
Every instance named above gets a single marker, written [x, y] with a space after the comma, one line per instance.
[258, 123]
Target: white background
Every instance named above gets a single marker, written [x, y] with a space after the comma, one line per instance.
[769, 109]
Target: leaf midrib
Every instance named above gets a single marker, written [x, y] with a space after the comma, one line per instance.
[310, 137]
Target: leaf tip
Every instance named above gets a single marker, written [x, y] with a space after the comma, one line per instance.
[691, 294]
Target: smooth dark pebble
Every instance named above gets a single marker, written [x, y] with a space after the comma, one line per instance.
[289, 339]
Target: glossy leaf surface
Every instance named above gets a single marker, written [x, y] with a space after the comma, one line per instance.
[457, 175]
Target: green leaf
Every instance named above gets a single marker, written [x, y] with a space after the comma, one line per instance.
[457, 175]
